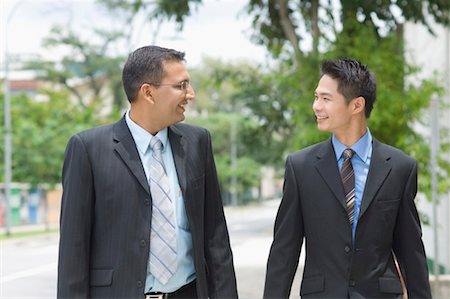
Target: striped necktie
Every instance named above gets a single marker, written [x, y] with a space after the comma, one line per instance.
[163, 241]
[348, 180]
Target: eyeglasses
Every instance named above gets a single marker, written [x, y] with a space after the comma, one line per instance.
[183, 85]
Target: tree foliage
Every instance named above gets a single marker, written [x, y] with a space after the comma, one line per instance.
[159, 10]
[89, 71]
[247, 169]
[40, 131]
[270, 104]
[282, 25]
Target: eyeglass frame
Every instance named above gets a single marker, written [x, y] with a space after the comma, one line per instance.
[183, 85]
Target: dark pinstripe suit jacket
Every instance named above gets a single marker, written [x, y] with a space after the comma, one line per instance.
[313, 209]
[106, 211]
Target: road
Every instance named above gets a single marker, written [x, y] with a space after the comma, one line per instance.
[28, 265]
[251, 229]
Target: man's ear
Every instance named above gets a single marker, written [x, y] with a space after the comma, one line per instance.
[359, 104]
[146, 92]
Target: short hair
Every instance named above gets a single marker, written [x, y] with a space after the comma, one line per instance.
[354, 79]
[145, 65]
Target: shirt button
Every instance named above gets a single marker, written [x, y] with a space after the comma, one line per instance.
[142, 243]
[352, 283]
[139, 284]
[347, 249]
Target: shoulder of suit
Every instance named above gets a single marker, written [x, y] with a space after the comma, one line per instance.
[185, 128]
[392, 151]
[310, 150]
[95, 133]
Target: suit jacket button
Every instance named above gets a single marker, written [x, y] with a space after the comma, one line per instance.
[139, 284]
[142, 243]
[347, 249]
[147, 202]
[352, 283]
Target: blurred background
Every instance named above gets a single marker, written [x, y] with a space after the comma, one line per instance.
[254, 65]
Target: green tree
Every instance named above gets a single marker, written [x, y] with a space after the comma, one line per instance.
[89, 70]
[253, 93]
[280, 98]
[283, 25]
[247, 170]
[40, 131]
[165, 10]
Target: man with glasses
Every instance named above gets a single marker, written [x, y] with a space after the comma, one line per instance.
[141, 214]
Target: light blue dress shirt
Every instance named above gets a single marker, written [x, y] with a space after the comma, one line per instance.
[185, 271]
[361, 162]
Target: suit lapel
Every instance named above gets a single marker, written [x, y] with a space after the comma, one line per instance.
[178, 145]
[378, 171]
[327, 167]
[126, 148]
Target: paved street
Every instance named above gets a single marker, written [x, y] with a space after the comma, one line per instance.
[28, 266]
[251, 229]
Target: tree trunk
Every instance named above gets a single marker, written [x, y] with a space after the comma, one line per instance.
[315, 25]
[289, 31]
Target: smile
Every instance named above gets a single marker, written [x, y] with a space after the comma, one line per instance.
[182, 105]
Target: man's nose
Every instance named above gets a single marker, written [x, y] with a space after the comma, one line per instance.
[316, 105]
[190, 93]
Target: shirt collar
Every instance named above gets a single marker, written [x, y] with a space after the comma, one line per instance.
[142, 138]
[362, 147]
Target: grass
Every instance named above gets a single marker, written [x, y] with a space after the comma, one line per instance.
[31, 233]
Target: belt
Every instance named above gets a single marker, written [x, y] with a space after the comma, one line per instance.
[160, 295]
[157, 296]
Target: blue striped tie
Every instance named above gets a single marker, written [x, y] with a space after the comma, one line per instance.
[163, 241]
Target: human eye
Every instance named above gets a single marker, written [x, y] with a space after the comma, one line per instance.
[184, 84]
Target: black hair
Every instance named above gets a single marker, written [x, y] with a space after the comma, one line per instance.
[145, 65]
[354, 80]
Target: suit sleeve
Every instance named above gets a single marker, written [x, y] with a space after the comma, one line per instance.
[219, 258]
[75, 222]
[288, 238]
[408, 245]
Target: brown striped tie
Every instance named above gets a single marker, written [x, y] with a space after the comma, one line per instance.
[348, 179]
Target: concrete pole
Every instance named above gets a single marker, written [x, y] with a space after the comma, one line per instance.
[447, 75]
[233, 158]
[7, 133]
[434, 193]
[7, 122]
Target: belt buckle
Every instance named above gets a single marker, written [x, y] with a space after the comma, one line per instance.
[156, 296]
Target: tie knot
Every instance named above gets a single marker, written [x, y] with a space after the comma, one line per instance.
[156, 144]
[348, 153]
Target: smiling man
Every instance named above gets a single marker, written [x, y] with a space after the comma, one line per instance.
[351, 198]
[141, 214]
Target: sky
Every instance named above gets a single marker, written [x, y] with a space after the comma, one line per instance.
[217, 28]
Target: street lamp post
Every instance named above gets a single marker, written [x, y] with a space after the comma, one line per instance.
[434, 187]
[233, 158]
[8, 127]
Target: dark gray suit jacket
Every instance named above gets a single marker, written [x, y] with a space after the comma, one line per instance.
[313, 208]
[106, 215]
